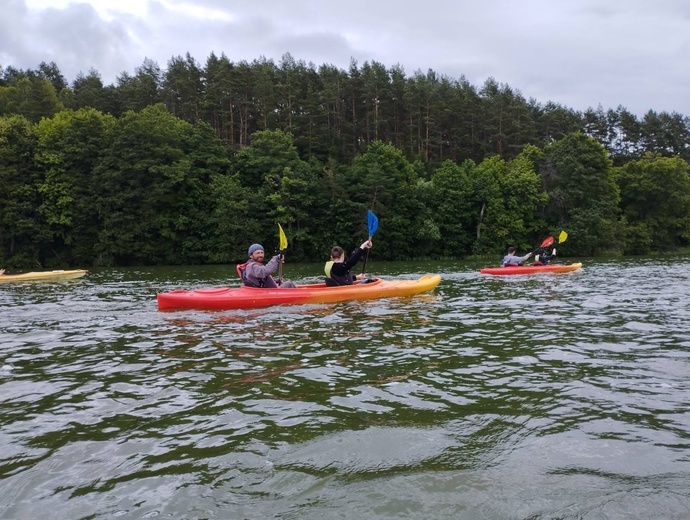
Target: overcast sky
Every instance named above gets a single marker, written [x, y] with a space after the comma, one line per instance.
[580, 53]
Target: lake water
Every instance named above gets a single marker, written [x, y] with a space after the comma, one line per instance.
[556, 396]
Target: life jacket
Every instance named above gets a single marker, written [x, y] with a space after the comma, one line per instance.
[327, 268]
[330, 282]
[241, 272]
[334, 281]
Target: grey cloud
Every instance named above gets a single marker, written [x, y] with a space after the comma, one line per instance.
[75, 38]
[578, 53]
[78, 40]
[13, 43]
[319, 48]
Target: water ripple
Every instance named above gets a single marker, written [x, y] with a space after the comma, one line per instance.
[527, 397]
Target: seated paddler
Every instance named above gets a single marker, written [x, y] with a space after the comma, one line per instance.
[255, 274]
[339, 269]
[512, 260]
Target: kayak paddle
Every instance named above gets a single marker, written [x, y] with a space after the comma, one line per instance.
[282, 246]
[373, 223]
[546, 243]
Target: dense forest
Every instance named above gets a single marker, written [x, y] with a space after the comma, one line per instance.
[192, 163]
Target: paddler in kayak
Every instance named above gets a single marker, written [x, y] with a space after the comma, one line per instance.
[542, 257]
[510, 260]
[255, 274]
[338, 269]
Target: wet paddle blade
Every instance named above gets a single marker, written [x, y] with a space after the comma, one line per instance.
[547, 242]
[373, 222]
[283, 239]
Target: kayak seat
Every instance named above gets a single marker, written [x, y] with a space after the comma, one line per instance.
[240, 269]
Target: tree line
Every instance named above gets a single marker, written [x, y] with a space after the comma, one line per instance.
[335, 114]
[192, 164]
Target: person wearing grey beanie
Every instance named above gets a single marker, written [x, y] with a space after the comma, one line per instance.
[255, 274]
[255, 247]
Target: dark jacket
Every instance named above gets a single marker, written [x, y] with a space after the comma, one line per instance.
[340, 273]
[543, 257]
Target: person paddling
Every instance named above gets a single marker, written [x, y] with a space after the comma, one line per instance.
[510, 260]
[338, 269]
[255, 274]
[543, 257]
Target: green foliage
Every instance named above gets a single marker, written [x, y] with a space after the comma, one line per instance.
[508, 202]
[578, 176]
[33, 98]
[508, 122]
[655, 202]
[233, 219]
[335, 114]
[282, 187]
[194, 219]
[89, 91]
[153, 190]
[141, 90]
[68, 149]
[182, 88]
[381, 179]
[450, 198]
[101, 175]
[23, 233]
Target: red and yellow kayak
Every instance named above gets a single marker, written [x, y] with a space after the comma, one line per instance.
[43, 276]
[531, 269]
[220, 298]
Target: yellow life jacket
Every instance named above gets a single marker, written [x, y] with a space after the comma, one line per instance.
[327, 268]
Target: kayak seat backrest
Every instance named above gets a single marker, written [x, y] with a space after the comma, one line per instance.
[240, 270]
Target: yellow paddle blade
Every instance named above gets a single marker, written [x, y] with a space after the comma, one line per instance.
[562, 237]
[283, 238]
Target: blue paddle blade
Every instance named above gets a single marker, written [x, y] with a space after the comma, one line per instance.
[373, 222]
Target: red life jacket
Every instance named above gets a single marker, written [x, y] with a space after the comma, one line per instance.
[240, 270]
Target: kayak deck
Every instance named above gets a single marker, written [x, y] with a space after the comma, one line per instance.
[44, 276]
[222, 298]
[531, 269]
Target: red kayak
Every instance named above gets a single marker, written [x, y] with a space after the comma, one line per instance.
[531, 269]
[251, 297]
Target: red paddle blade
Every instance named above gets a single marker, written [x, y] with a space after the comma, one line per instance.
[547, 242]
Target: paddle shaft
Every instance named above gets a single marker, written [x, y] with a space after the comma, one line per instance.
[366, 257]
[373, 224]
[280, 268]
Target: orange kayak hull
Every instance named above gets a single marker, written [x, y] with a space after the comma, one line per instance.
[221, 298]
